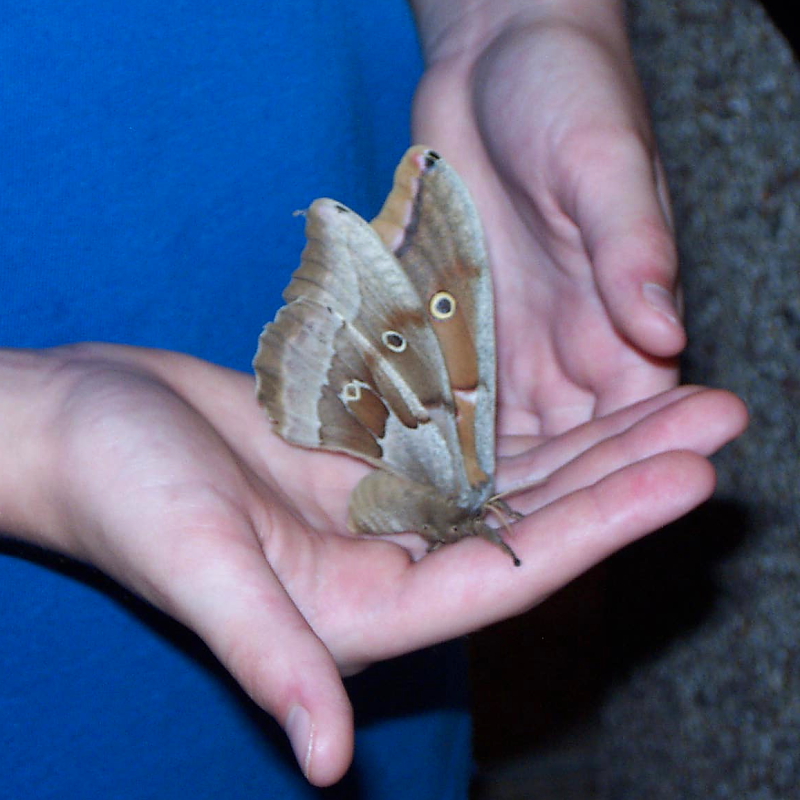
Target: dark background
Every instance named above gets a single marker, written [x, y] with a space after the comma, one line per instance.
[572, 700]
[784, 15]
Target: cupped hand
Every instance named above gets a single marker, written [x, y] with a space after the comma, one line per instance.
[538, 106]
[162, 470]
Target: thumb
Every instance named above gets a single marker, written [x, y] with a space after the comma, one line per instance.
[225, 590]
[621, 208]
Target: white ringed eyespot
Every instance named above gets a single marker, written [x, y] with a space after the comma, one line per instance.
[395, 341]
[442, 305]
[351, 392]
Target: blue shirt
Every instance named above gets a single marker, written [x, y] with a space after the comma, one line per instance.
[151, 156]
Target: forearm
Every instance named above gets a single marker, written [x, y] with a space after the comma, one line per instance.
[449, 28]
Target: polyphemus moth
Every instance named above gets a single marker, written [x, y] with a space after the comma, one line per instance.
[385, 351]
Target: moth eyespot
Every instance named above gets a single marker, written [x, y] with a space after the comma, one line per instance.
[442, 305]
[395, 341]
[351, 392]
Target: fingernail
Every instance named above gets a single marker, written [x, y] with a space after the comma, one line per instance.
[662, 300]
[300, 731]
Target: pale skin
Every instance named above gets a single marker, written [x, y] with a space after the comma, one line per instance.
[162, 471]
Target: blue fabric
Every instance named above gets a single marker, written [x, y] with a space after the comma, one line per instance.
[152, 154]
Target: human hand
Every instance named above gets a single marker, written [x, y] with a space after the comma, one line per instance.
[538, 107]
[162, 471]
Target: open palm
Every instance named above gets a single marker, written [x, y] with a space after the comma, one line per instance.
[169, 478]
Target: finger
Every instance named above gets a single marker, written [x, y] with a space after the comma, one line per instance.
[524, 460]
[617, 492]
[700, 421]
[622, 211]
[689, 417]
[473, 584]
[217, 582]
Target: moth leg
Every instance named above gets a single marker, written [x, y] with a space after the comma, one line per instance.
[502, 511]
[500, 507]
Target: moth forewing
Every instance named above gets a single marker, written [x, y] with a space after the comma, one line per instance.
[386, 351]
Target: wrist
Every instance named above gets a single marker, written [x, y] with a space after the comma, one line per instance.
[462, 29]
[33, 384]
